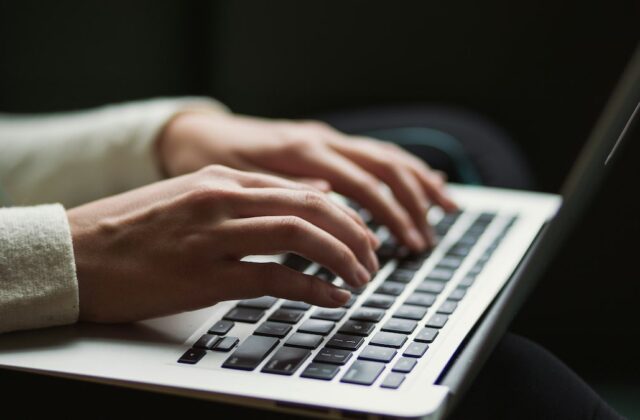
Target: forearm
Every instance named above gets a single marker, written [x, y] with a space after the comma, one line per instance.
[72, 158]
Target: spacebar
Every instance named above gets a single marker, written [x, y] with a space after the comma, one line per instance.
[251, 352]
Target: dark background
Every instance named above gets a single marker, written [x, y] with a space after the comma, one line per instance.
[541, 70]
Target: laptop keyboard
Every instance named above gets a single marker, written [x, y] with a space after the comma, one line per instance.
[353, 342]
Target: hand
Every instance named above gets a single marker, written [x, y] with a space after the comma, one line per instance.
[176, 245]
[353, 166]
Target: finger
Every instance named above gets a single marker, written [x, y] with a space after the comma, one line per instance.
[351, 180]
[314, 207]
[263, 180]
[279, 281]
[375, 242]
[270, 235]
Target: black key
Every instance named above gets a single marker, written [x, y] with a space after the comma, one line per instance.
[476, 269]
[457, 294]
[440, 274]
[207, 341]
[469, 239]
[413, 262]
[221, 327]
[192, 356]
[421, 299]
[368, 314]
[378, 354]
[467, 281]
[316, 326]
[410, 312]
[226, 344]
[289, 316]
[415, 350]
[357, 328]
[405, 364]
[363, 372]
[459, 250]
[402, 326]
[344, 341]
[401, 276]
[437, 321]
[450, 262]
[486, 217]
[286, 360]
[306, 341]
[352, 289]
[379, 301]
[329, 314]
[427, 335]
[324, 274]
[273, 329]
[448, 307]
[351, 301]
[387, 339]
[320, 371]
[393, 380]
[392, 288]
[264, 302]
[294, 304]
[251, 352]
[296, 262]
[249, 315]
[333, 356]
[430, 286]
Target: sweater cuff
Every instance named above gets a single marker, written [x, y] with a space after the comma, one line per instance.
[38, 284]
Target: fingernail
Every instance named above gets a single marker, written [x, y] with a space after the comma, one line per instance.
[340, 296]
[362, 275]
[415, 238]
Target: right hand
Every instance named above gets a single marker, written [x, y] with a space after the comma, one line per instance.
[177, 245]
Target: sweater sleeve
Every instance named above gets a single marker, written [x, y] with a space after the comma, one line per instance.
[38, 286]
[72, 158]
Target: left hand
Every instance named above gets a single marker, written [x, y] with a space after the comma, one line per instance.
[315, 153]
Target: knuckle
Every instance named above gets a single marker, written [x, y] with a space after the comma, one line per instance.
[314, 200]
[292, 227]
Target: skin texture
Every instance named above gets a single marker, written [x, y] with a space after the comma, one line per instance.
[244, 186]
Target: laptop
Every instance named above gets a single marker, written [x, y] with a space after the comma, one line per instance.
[405, 346]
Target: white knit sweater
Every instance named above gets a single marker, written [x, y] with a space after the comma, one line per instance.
[65, 159]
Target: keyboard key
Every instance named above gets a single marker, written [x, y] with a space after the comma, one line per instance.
[437, 321]
[392, 288]
[368, 314]
[430, 286]
[410, 312]
[415, 350]
[387, 339]
[476, 269]
[249, 315]
[221, 327]
[207, 341]
[288, 316]
[459, 250]
[401, 276]
[226, 344]
[448, 307]
[306, 341]
[405, 364]
[346, 342]
[296, 262]
[412, 263]
[316, 326]
[251, 352]
[457, 294]
[397, 325]
[264, 302]
[379, 301]
[351, 301]
[357, 328]
[192, 356]
[427, 335]
[329, 314]
[393, 380]
[467, 281]
[333, 356]
[450, 262]
[440, 274]
[378, 354]
[324, 274]
[363, 372]
[421, 299]
[273, 329]
[320, 371]
[294, 304]
[286, 360]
